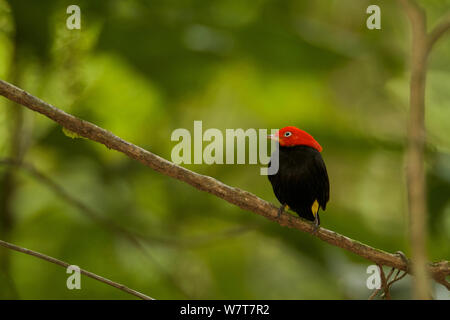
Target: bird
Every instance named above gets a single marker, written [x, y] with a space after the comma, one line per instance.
[301, 182]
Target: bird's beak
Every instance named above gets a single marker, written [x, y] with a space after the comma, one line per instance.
[273, 137]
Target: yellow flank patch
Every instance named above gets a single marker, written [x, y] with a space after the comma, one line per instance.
[315, 207]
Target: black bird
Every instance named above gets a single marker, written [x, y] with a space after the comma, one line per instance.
[301, 182]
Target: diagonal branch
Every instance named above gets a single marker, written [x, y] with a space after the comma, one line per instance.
[241, 198]
[133, 236]
[65, 265]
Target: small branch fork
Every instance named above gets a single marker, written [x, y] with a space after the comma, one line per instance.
[386, 284]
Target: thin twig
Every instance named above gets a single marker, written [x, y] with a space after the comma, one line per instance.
[384, 284]
[397, 278]
[374, 294]
[82, 271]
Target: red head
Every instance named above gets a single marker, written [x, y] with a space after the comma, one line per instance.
[292, 136]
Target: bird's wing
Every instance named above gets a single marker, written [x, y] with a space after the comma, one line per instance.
[322, 184]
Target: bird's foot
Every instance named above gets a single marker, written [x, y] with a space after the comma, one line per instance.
[281, 210]
[405, 260]
[316, 225]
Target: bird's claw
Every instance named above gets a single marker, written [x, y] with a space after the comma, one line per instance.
[280, 211]
[316, 225]
[404, 259]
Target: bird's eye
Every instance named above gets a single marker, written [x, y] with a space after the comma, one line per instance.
[288, 134]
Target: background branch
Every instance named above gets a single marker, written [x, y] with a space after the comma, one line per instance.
[422, 43]
[131, 235]
[65, 265]
[17, 147]
[238, 197]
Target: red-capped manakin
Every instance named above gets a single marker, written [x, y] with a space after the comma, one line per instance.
[301, 182]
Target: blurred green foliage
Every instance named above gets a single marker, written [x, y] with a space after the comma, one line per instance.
[144, 68]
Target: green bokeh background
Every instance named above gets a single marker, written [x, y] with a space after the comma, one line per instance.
[142, 69]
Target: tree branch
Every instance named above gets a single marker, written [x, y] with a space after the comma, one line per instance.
[415, 168]
[422, 43]
[65, 265]
[243, 199]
